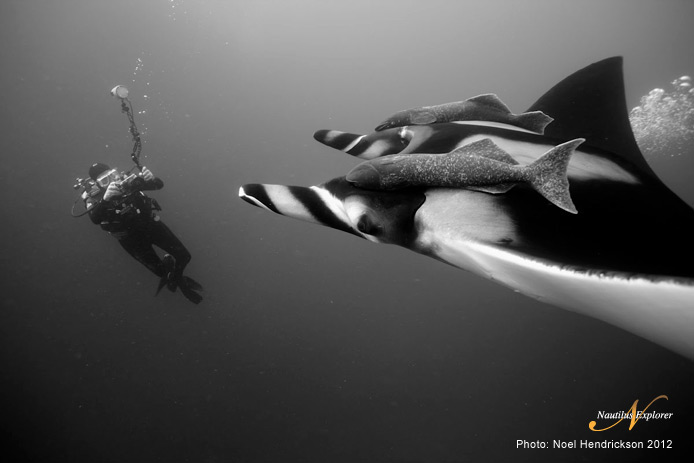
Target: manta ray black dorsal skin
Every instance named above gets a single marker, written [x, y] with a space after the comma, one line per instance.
[591, 104]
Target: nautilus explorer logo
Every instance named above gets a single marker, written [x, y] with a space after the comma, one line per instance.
[633, 414]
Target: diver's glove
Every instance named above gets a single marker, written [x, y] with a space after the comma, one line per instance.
[147, 174]
[112, 191]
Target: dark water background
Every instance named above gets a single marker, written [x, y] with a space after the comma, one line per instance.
[311, 345]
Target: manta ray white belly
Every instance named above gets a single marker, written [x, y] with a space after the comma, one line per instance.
[659, 310]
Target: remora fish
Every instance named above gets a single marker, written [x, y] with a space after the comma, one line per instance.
[487, 107]
[626, 258]
[480, 166]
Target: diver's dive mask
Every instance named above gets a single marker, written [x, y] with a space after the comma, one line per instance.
[107, 177]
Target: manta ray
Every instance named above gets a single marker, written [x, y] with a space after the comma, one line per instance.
[626, 257]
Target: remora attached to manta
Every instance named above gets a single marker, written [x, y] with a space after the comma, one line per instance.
[480, 166]
[625, 258]
[487, 107]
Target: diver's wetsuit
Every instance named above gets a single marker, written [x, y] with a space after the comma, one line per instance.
[132, 219]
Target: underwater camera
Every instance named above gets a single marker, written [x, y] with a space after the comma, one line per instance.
[132, 183]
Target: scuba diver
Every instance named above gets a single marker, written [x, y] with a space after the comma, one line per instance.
[122, 209]
[115, 201]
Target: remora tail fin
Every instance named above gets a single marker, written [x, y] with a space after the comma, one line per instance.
[548, 177]
[591, 104]
[535, 121]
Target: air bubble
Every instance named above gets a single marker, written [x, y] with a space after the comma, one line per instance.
[663, 123]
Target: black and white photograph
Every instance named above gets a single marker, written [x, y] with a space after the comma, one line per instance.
[331, 231]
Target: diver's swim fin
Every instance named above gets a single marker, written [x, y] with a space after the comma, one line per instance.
[188, 287]
[190, 283]
[168, 263]
[170, 280]
[162, 283]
